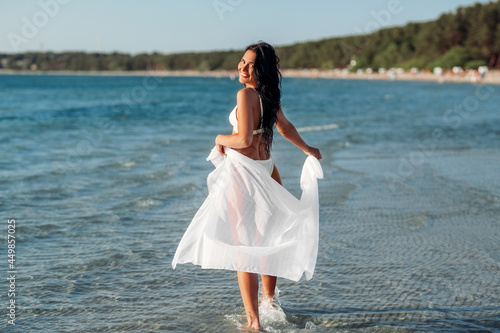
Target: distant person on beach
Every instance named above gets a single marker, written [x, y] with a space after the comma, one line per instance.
[257, 232]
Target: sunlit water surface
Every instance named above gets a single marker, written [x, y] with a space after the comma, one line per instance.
[103, 175]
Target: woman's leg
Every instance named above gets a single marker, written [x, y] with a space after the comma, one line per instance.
[249, 284]
[268, 286]
[249, 288]
[268, 281]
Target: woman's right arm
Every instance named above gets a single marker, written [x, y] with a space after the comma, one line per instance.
[286, 128]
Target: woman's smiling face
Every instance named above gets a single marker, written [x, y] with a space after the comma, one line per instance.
[245, 68]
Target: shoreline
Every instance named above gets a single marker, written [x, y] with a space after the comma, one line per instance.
[492, 77]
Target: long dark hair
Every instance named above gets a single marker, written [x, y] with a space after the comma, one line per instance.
[268, 81]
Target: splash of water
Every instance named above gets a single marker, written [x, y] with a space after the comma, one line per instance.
[270, 311]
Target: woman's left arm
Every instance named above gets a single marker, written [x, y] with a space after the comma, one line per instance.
[289, 132]
[244, 137]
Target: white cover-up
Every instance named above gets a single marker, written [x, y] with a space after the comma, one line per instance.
[251, 223]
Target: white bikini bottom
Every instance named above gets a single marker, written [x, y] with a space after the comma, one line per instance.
[268, 164]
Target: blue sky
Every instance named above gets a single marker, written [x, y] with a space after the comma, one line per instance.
[169, 26]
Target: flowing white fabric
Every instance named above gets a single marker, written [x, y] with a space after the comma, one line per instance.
[251, 223]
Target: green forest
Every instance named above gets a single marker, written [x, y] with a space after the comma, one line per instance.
[468, 37]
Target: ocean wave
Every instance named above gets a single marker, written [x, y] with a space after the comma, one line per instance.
[317, 128]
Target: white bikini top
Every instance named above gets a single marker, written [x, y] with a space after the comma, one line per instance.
[234, 121]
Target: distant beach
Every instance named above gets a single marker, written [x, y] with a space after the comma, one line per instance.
[492, 77]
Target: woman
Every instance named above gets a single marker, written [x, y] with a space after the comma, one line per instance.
[261, 228]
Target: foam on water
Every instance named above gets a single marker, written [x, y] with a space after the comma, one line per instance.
[317, 128]
[272, 318]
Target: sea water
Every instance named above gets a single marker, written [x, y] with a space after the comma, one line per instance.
[102, 176]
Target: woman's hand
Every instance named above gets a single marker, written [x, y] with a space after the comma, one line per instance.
[220, 148]
[313, 152]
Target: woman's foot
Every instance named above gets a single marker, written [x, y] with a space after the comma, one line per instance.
[253, 322]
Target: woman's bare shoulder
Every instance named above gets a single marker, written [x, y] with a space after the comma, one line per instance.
[247, 93]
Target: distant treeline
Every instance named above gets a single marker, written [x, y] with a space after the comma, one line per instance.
[469, 38]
